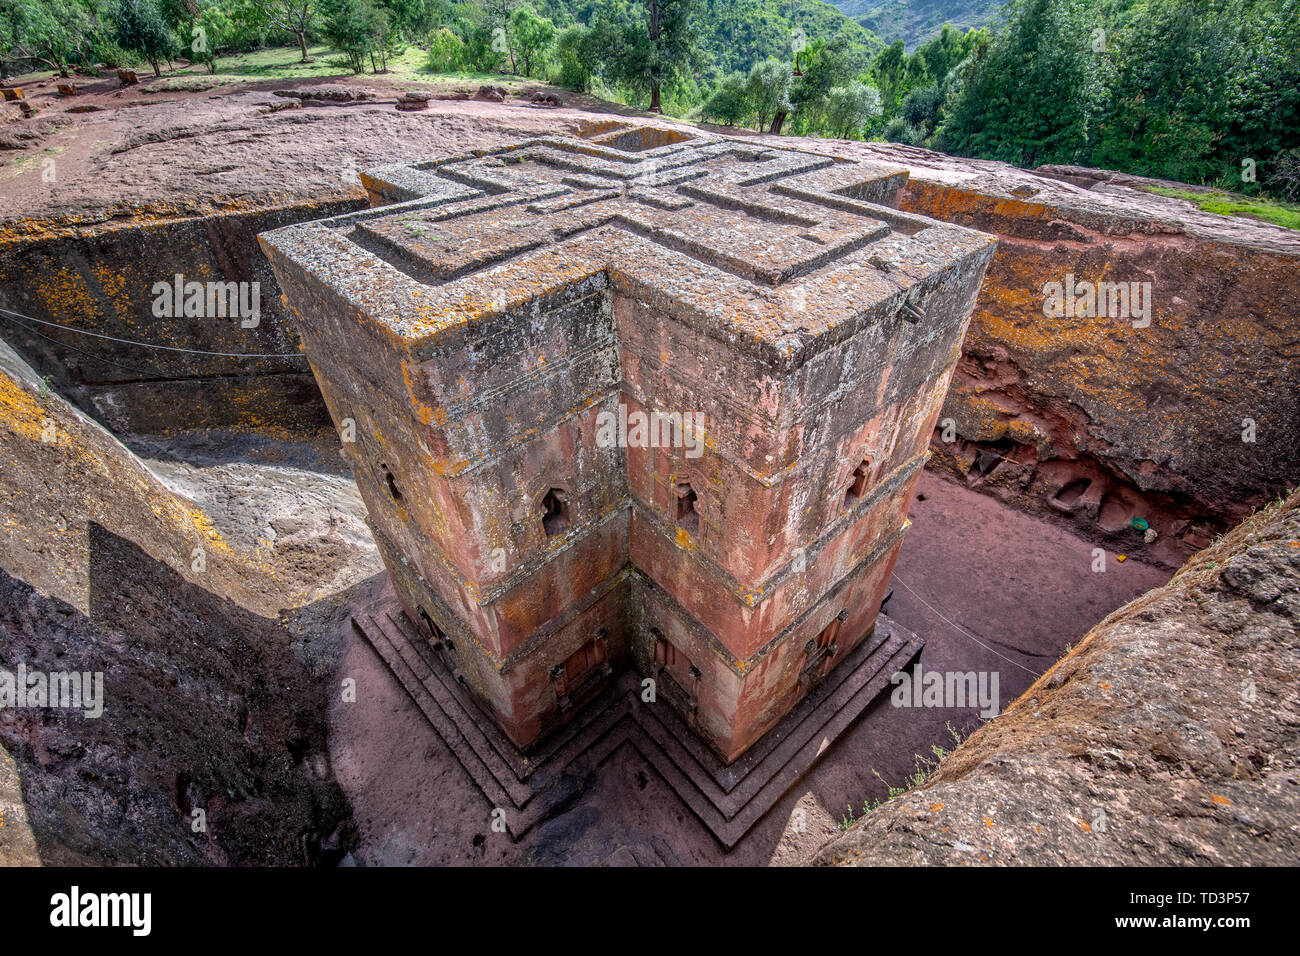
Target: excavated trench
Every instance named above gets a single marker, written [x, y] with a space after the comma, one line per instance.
[227, 677]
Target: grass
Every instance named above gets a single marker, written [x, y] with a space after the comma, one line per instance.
[1225, 203]
[282, 63]
[922, 769]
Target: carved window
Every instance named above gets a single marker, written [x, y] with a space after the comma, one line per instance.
[585, 659]
[857, 489]
[555, 512]
[687, 515]
[665, 653]
[434, 630]
[827, 637]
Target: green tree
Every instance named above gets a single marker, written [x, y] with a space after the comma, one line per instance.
[1037, 94]
[849, 107]
[672, 43]
[530, 36]
[211, 31]
[826, 64]
[52, 32]
[140, 28]
[576, 57]
[346, 25]
[647, 44]
[296, 17]
[768, 91]
[729, 102]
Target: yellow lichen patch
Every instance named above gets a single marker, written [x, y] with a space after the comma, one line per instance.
[203, 525]
[23, 413]
[936, 807]
[1222, 801]
[63, 292]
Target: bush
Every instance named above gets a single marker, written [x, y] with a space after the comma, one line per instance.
[900, 130]
[1285, 178]
[574, 58]
[729, 102]
[446, 52]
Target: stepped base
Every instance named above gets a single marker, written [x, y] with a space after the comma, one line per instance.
[728, 799]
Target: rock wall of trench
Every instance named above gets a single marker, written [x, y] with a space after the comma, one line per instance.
[1093, 421]
[100, 277]
[216, 672]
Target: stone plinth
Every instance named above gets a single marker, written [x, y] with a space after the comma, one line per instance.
[489, 338]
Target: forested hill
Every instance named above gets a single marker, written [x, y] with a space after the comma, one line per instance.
[736, 34]
[915, 21]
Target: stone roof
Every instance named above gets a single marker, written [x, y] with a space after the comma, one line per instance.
[779, 252]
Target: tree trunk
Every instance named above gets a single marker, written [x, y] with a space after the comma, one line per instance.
[302, 45]
[654, 33]
[156, 71]
[777, 122]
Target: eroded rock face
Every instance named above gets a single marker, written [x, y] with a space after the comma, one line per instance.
[1168, 736]
[1181, 413]
[213, 695]
[17, 845]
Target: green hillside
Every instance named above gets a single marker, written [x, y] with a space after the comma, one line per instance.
[915, 21]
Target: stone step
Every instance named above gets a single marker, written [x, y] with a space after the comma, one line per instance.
[531, 787]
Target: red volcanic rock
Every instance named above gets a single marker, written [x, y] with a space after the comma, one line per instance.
[413, 101]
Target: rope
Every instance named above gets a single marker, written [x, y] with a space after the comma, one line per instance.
[147, 345]
[98, 358]
[963, 630]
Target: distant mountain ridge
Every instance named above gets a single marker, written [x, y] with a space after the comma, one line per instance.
[915, 21]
